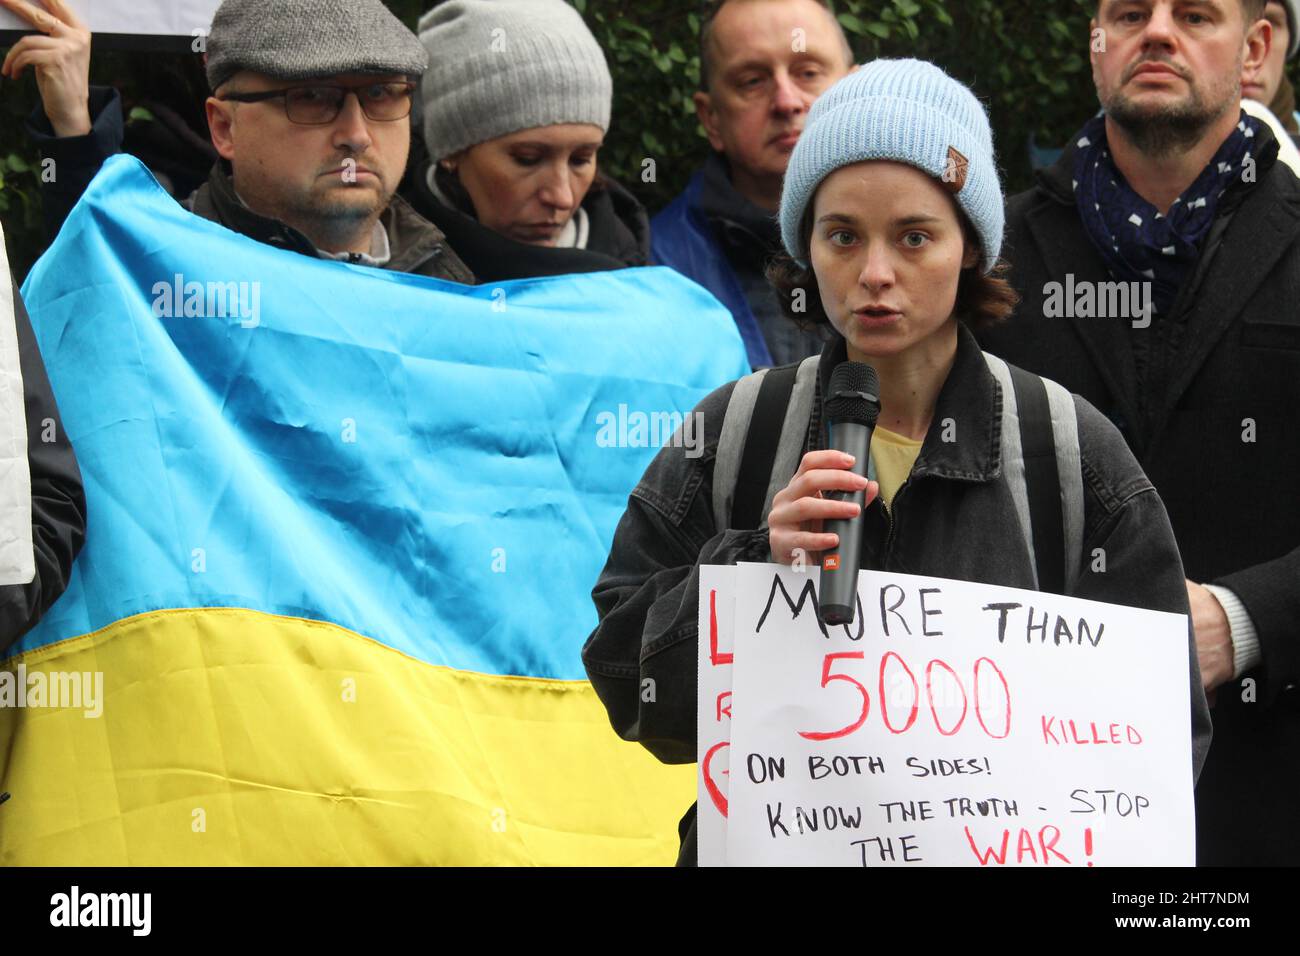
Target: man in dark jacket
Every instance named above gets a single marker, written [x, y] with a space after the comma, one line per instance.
[301, 166]
[762, 64]
[1159, 265]
[42, 506]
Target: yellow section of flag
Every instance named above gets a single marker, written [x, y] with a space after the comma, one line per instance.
[235, 737]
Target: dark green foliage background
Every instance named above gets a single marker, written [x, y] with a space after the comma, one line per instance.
[1027, 59]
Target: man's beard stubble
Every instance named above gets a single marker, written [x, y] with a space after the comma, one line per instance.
[356, 203]
[336, 219]
[1166, 130]
[324, 219]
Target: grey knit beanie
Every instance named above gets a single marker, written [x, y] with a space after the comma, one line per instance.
[500, 66]
[305, 39]
[908, 111]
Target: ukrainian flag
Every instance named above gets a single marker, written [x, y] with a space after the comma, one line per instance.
[343, 526]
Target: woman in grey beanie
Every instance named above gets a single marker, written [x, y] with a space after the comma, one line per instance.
[891, 213]
[515, 107]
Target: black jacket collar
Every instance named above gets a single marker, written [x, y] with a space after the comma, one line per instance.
[216, 200]
[969, 411]
[618, 236]
[749, 233]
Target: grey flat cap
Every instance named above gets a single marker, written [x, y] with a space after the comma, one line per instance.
[304, 39]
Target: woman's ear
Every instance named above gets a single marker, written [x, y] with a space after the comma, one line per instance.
[450, 163]
[972, 255]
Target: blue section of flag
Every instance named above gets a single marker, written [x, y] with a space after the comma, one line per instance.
[436, 466]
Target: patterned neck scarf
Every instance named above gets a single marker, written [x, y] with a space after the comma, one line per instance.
[1138, 243]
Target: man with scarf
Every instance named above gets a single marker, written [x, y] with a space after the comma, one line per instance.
[1174, 198]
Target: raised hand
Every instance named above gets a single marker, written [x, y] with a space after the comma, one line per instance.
[60, 55]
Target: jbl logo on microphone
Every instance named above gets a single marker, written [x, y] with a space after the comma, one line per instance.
[831, 562]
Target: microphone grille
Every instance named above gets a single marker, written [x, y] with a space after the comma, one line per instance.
[854, 394]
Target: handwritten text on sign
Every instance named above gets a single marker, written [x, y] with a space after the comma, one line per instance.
[952, 724]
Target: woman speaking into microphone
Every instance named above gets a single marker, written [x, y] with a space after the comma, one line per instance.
[892, 218]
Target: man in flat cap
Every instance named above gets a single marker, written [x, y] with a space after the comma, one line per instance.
[309, 115]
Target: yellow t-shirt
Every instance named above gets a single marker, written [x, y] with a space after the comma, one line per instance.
[893, 456]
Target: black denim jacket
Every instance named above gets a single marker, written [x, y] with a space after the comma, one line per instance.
[954, 517]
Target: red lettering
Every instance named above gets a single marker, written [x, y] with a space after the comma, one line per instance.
[884, 698]
[1047, 726]
[990, 853]
[1027, 848]
[1025, 843]
[1006, 699]
[1051, 725]
[888, 712]
[714, 656]
[930, 693]
[724, 711]
[1049, 847]
[716, 795]
[827, 677]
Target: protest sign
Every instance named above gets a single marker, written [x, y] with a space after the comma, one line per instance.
[951, 724]
[184, 18]
[717, 626]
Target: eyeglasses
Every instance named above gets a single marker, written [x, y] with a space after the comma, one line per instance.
[320, 105]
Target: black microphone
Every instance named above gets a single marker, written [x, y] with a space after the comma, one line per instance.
[852, 406]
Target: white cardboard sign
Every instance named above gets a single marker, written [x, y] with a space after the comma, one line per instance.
[953, 724]
[148, 17]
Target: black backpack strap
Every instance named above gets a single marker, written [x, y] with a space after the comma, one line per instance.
[761, 441]
[689, 849]
[1042, 478]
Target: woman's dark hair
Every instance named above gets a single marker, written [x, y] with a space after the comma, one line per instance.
[982, 300]
[450, 185]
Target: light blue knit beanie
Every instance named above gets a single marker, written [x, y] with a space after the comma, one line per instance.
[909, 111]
